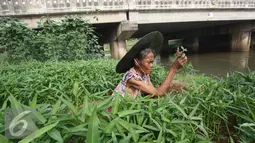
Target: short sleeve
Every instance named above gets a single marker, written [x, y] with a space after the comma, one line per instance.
[129, 75]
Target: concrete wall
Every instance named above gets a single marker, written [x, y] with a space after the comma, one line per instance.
[190, 15]
[94, 18]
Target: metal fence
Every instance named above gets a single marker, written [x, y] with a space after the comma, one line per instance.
[24, 7]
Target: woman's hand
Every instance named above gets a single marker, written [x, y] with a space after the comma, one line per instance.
[178, 63]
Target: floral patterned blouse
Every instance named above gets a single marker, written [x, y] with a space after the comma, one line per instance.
[122, 88]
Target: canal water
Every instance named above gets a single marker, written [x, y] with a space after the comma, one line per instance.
[218, 64]
[214, 63]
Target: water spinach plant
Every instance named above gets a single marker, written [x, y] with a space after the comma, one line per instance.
[72, 101]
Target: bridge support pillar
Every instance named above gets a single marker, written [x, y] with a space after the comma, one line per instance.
[118, 49]
[118, 43]
[241, 37]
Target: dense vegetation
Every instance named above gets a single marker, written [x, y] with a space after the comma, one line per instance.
[72, 99]
[70, 39]
[49, 79]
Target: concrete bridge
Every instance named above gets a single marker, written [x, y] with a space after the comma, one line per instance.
[118, 20]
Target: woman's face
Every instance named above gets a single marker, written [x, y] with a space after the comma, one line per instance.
[147, 63]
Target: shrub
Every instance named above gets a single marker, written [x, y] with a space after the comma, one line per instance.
[70, 39]
[15, 39]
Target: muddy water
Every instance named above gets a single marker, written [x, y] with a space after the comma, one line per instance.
[218, 63]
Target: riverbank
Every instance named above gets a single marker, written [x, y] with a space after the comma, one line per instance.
[71, 101]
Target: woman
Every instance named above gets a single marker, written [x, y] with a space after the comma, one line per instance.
[137, 64]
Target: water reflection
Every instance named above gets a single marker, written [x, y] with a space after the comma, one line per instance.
[219, 63]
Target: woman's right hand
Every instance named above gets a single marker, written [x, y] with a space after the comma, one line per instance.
[178, 63]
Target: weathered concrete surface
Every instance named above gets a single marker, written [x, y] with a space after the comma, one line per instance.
[149, 16]
[190, 15]
[118, 49]
[95, 18]
[126, 29]
[241, 37]
[119, 36]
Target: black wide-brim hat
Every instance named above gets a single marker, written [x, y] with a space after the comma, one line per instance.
[153, 40]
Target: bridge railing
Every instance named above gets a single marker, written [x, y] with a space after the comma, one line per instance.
[191, 4]
[27, 7]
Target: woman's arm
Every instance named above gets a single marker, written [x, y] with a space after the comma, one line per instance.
[164, 87]
[150, 89]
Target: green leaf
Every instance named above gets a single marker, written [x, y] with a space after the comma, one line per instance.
[134, 134]
[171, 132]
[183, 100]
[120, 129]
[56, 107]
[115, 104]
[93, 125]
[231, 140]
[145, 137]
[85, 108]
[140, 119]
[15, 104]
[179, 122]
[3, 139]
[180, 109]
[38, 133]
[75, 88]
[126, 139]
[79, 128]
[70, 105]
[247, 125]
[160, 137]
[37, 114]
[124, 124]
[104, 104]
[151, 127]
[128, 112]
[114, 138]
[33, 102]
[157, 124]
[55, 134]
[201, 127]
[110, 126]
[163, 118]
[183, 134]
[194, 111]
[4, 105]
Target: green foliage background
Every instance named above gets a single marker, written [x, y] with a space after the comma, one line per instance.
[71, 38]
